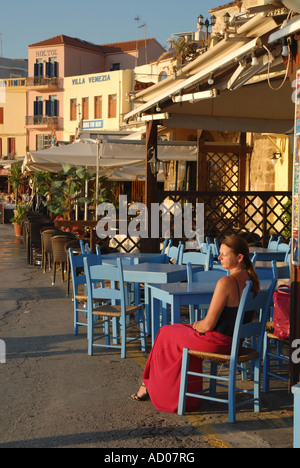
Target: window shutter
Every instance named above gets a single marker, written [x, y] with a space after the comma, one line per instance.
[55, 69]
[1, 115]
[48, 108]
[55, 110]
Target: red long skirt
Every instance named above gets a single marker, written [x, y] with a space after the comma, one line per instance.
[163, 368]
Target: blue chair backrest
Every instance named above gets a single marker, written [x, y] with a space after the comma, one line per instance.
[261, 305]
[266, 272]
[76, 261]
[194, 276]
[163, 249]
[98, 273]
[285, 247]
[253, 257]
[273, 244]
[283, 271]
[203, 245]
[175, 252]
[198, 258]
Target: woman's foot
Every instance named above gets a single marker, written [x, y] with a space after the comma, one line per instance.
[142, 394]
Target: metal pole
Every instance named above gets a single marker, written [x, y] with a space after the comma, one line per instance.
[99, 144]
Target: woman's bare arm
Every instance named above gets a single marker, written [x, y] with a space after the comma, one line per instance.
[218, 302]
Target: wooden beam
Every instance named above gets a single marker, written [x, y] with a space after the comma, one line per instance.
[149, 244]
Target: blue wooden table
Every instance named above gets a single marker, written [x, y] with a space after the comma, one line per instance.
[267, 255]
[133, 258]
[162, 273]
[177, 295]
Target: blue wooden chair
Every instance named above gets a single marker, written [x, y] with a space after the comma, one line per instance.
[284, 247]
[273, 244]
[204, 260]
[174, 254]
[275, 359]
[164, 246]
[114, 312]
[78, 285]
[255, 329]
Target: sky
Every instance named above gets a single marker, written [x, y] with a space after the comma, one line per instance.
[98, 21]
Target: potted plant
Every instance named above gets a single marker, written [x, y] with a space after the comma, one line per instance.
[17, 220]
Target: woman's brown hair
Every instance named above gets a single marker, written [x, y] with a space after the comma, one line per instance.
[240, 246]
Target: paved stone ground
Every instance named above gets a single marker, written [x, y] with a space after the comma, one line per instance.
[55, 395]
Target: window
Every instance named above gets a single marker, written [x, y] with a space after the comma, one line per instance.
[112, 106]
[52, 67]
[11, 146]
[1, 115]
[0, 147]
[98, 107]
[38, 68]
[85, 108]
[52, 106]
[38, 106]
[115, 66]
[43, 141]
[73, 109]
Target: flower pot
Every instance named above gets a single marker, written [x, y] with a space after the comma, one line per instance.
[18, 230]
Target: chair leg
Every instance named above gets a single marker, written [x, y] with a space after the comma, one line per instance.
[183, 381]
[213, 382]
[232, 394]
[54, 272]
[266, 364]
[256, 390]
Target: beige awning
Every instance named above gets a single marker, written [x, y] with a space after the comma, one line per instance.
[245, 96]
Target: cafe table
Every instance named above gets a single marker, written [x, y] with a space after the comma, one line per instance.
[149, 272]
[133, 258]
[267, 255]
[176, 295]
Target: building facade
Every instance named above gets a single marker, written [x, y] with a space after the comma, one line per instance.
[12, 111]
[95, 102]
[50, 117]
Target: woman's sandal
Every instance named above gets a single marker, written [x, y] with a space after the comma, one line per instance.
[142, 398]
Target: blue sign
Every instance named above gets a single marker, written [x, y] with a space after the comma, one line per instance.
[92, 124]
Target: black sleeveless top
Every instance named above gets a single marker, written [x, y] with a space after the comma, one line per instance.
[226, 322]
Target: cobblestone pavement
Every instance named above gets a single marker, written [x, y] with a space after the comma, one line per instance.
[55, 395]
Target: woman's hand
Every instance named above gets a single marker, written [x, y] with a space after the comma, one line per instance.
[198, 326]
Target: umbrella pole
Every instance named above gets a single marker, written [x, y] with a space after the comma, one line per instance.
[97, 176]
[86, 190]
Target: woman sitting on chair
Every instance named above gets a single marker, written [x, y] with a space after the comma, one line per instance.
[213, 334]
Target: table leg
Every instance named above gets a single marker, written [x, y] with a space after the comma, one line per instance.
[155, 317]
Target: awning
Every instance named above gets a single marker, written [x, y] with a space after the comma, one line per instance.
[292, 26]
[113, 154]
[227, 90]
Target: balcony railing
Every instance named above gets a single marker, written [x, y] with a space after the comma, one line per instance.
[44, 82]
[44, 120]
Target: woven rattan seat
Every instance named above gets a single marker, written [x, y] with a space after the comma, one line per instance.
[245, 355]
[109, 310]
[60, 255]
[47, 246]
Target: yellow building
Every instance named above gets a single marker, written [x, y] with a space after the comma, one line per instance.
[96, 101]
[12, 112]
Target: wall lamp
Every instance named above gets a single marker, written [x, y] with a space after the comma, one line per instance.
[277, 155]
[285, 48]
[155, 163]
